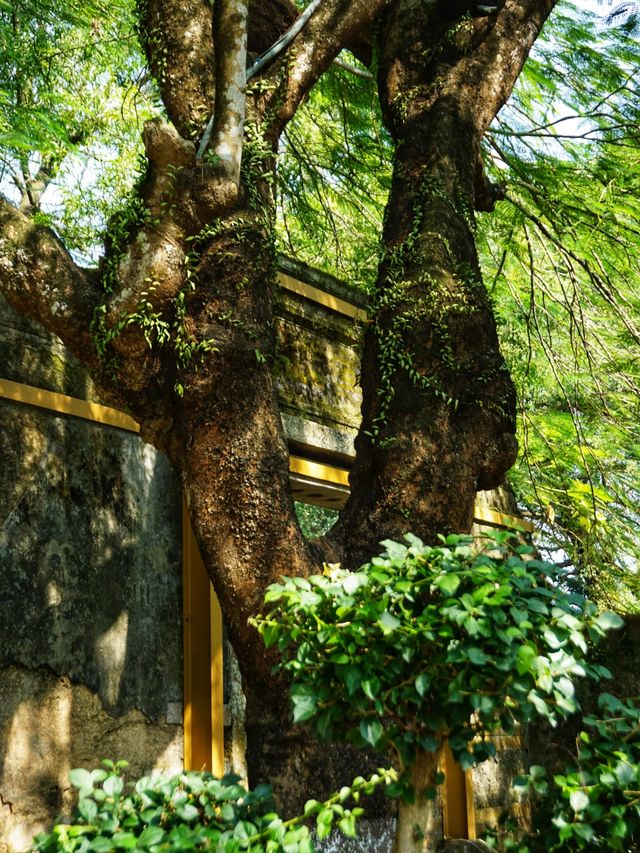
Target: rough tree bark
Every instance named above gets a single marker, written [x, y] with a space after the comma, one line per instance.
[196, 250]
[439, 406]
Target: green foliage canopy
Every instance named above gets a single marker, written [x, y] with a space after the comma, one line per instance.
[74, 94]
[561, 254]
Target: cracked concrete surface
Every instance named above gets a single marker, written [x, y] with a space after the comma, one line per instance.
[48, 726]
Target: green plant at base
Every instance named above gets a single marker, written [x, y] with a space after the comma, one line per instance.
[595, 803]
[194, 811]
[426, 643]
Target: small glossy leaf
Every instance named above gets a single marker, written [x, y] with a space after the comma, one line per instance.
[388, 622]
[151, 835]
[371, 731]
[447, 584]
[87, 809]
[579, 801]
[609, 621]
[422, 683]
[304, 706]
[113, 785]
[81, 779]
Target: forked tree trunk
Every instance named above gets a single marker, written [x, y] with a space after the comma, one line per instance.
[438, 402]
[438, 413]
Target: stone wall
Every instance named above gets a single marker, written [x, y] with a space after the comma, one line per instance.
[90, 593]
[90, 561]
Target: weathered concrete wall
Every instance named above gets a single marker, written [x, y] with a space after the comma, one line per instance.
[48, 726]
[90, 593]
[493, 783]
[318, 366]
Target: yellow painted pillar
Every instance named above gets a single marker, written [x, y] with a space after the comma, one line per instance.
[457, 799]
[202, 650]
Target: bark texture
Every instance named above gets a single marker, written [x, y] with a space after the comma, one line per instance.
[438, 403]
[39, 277]
[182, 309]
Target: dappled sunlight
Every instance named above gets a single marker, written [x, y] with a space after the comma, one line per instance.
[37, 748]
[111, 656]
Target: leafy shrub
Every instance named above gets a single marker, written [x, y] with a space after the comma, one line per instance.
[426, 642]
[594, 804]
[192, 811]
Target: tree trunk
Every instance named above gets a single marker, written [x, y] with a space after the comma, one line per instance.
[419, 824]
[438, 403]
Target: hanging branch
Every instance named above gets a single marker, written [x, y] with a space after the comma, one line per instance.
[603, 287]
[283, 42]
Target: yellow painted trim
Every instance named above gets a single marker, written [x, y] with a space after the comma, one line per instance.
[65, 405]
[217, 685]
[471, 806]
[202, 652]
[318, 471]
[491, 516]
[315, 294]
[340, 476]
[458, 820]
[187, 653]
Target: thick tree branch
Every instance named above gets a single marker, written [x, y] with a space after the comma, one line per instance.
[39, 278]
[179, 42]
[492, 70]
[177, 37]
[335, 25]
[438, 402]
[268, 20]
[38, 183]
[473, 66]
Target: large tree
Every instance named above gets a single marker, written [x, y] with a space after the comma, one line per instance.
[176, 324]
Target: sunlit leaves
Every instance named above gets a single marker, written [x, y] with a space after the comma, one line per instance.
[73, 95]
[334, 176]
[196, 811]
[397, 656]
[314, 520]
[562, 258]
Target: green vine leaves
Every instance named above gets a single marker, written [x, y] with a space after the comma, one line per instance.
[195, 811]
[431, 642]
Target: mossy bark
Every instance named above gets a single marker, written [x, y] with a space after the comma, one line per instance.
[438, 403]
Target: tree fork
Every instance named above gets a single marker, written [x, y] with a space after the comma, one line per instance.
[224, 436]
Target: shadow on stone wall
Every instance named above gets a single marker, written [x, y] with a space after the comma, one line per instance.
[90, 599]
